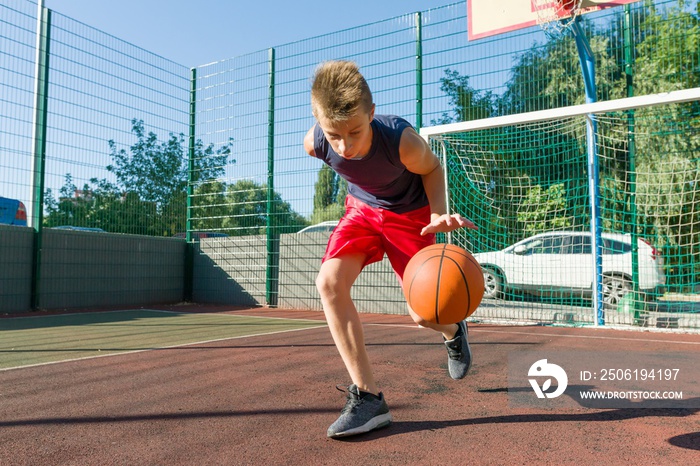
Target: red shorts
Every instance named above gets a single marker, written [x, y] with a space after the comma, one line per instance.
[373, 231]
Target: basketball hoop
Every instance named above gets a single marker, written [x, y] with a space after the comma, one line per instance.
[556, 16]
[487, 18]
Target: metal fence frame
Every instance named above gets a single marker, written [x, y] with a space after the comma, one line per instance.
[259, 101]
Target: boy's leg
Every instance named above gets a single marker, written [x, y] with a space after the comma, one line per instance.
[365, 409]
[459, 353]
[448, 331]
[334, 282]
[401, 241]
[456, 338]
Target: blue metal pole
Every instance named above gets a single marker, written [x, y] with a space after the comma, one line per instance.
[585, 55]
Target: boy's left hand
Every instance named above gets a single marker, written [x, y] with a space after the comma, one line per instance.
[446, 222]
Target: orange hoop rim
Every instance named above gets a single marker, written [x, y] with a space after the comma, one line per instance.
[555, 16]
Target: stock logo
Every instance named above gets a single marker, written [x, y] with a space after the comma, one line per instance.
[542, 369]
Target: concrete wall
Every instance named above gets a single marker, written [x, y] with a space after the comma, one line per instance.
[376, 290]
[233, 271]
[86, 269]
[230, 270]
[16, 245]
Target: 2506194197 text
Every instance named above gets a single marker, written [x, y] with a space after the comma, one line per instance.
[644, 374]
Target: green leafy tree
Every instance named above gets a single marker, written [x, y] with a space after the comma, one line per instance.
[668, 180]
[164, 164]
[326, 187]
[667, 58]
[210, 206]
[247, 211]
[150, 192]
[67, 209]
[549, 75]
[544, 210]
[99, 205]
[466, 102]
[329, 196]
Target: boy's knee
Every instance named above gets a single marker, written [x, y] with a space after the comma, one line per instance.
[325, 283]
[418, 319]
[336, 278]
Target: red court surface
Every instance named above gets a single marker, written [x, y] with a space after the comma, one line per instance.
[269, 400]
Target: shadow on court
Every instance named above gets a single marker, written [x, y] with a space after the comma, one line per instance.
[268, 397]
[615, 415]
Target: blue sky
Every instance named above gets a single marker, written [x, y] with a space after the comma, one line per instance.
[197, 32]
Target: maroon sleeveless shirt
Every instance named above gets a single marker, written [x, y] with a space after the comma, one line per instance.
[378, 179]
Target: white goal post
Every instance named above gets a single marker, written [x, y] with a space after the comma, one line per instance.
[518, 176]
[685, 95]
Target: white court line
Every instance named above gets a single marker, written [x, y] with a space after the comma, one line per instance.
[233, 315]
[120, 353]
[161, 311]
[321, 324]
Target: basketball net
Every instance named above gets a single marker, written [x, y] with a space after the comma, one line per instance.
[556, 16]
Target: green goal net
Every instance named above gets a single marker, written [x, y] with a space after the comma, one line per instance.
[586, 214]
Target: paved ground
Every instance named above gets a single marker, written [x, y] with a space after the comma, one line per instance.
[269, 399]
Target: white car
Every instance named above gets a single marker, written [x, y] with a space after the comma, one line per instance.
[326, 226]
[561, 262]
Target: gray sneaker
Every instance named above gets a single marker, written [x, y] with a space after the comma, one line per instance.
[361, 414]
[459, 354]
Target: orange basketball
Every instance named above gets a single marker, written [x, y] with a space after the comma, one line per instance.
[443, 284]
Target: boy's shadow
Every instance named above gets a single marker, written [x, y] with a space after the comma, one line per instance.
[690, 441]
[631, 411]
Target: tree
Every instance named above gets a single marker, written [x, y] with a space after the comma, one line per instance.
[466, 102]
[68, 208]
[549, 75]
[247, 211]
[100, 205]
[329, 196]
[164, 164]
[667, 57]
[668, 140]
[150, 192]
[326, 188]
[544, 210]
[209, 206]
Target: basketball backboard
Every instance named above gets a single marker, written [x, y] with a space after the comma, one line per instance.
[490, 17]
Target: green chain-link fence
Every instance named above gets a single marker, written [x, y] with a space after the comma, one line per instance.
[533, 206]
[134, 143]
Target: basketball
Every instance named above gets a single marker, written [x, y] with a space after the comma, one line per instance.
[443, 284]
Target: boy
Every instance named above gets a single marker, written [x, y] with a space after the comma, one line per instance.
[395, 205]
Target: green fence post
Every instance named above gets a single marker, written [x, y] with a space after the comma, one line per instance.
[189, 246]
[419, 71]
[631, 168]
[41, 94]
[272, 267]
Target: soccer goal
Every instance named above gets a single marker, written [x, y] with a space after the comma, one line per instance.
[566, 236]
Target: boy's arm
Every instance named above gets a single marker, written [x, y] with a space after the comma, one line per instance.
[418, 158]
[309, 141]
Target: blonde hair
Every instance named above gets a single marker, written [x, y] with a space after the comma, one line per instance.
[339, 90]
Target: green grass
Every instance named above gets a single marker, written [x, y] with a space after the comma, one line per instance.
[26, 341]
